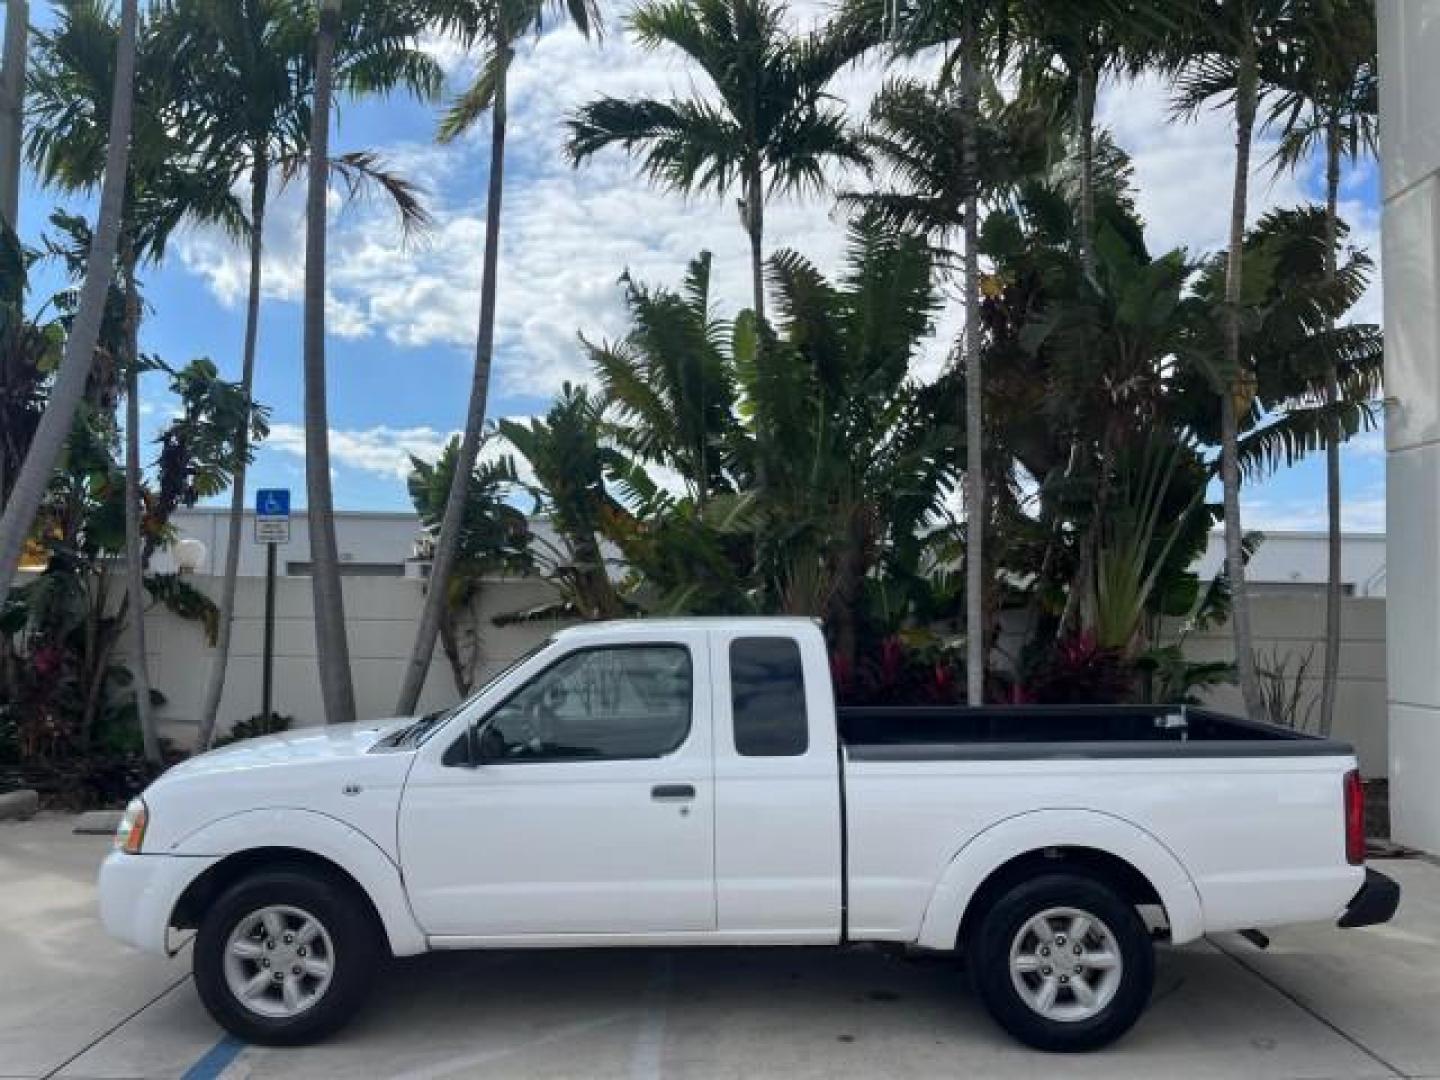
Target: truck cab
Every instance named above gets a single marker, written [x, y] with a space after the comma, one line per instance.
[617, 785]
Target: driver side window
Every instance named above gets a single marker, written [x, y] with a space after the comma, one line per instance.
[595, 705]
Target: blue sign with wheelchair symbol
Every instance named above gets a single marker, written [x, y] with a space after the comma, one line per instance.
[272, 502]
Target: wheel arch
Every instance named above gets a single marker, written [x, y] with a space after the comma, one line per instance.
[257, 840]
[1119, 852]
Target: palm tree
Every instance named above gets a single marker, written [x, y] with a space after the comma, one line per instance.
[498, 24]
[947, 160]
[772, 130]
[338, 33]
[1327, 100]
[253, 76]
[494, 538]
[670, 384]
[974, 36]
[332, 649]
[254, 54]
[12, 110]
[167, 183]
[1065, 51]
[567, 450]
[1218, 54]
[69, 387]
[1316, 382]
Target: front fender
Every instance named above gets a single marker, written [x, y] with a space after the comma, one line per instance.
[1025, 833]
[330, 838]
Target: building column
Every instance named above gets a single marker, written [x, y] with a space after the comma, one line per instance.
[1410, 163]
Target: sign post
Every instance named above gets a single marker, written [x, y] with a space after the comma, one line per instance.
[272, 528]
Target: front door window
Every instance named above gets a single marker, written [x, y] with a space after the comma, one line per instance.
[607, 704]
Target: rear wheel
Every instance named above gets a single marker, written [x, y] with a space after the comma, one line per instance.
[285, 956]
[1062, 962]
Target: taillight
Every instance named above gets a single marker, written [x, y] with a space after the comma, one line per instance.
[1354, 818]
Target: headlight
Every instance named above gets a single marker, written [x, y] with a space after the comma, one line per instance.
[131, 833]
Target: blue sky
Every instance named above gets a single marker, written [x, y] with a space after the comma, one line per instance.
[402, 317]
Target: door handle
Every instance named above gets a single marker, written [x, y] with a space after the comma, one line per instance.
[672, 792]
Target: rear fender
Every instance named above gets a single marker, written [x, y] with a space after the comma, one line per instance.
[1041, 829]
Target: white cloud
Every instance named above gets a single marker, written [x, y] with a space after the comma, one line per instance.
[1363, 513]
[383, 451]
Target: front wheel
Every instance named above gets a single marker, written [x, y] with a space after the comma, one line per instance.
[285, 957]
[1062, 962]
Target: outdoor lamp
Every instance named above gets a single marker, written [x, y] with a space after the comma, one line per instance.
[189, 555]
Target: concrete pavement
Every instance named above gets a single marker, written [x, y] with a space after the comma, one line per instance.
[1321, 1003]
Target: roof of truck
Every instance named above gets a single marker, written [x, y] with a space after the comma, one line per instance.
[610, 627]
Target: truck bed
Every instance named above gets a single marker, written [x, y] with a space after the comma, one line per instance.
[1011, 732]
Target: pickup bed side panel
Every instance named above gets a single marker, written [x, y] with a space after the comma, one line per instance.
[1261, 839]
[328, 837]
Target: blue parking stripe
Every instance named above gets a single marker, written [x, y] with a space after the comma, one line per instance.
[216, 1060]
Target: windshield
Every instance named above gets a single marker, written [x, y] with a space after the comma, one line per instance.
[427, 725]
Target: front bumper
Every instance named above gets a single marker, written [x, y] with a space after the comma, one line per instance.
[1374, 903]
[138, 893]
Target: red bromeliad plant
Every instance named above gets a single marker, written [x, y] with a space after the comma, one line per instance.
[899, 673]
[1076, 670]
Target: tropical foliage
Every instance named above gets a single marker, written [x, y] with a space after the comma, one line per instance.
[1011, 513]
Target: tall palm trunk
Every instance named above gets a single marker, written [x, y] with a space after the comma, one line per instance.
[1246, 99]
[12, 132]
[974, 466]
[1085, 117]
[333, 651]
[69, 387]
[1333, 610]
[755, 230]
[134, 552]
[215, 684]
[12, 109]
[461, 673]
[753, 218]
[451, 525]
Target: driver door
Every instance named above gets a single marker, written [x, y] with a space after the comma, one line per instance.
[590, 811]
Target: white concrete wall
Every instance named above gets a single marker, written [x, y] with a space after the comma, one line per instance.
[1410, 162]
[1293, 625]
[375, 537]
[380, 613]
[362, 538]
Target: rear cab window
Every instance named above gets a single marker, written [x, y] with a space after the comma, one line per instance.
[767, 696]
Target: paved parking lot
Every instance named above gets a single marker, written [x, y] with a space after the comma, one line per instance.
[1320, 1003]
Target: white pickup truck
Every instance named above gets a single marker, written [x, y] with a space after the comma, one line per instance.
[690, 782]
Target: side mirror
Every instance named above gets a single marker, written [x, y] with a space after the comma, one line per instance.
[464, 752]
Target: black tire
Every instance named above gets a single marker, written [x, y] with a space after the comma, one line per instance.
[354, 940]
[988, 953]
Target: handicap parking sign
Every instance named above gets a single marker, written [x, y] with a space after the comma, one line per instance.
[272, 502]
[272, 516]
